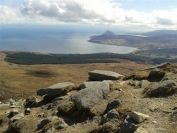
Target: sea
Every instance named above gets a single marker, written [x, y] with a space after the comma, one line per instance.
[56, 40]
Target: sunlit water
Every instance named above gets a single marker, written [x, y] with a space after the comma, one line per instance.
[53, 41]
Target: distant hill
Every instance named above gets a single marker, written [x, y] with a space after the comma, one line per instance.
[110, 33]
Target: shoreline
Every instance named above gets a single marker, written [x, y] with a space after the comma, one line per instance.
[136, 49]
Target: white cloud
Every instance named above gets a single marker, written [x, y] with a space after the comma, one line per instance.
[105, 12]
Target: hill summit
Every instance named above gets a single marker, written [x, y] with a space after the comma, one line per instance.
[110, 33]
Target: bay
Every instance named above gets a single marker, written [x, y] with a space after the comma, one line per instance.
[54, 40]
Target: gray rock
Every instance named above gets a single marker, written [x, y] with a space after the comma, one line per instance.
[41, 92]
[162, 88]
[141, 130]
[100, 75]
[59, 89]
[46, 121]
[31, 100]
[113, 114]
[17, 117]
[104, 85]
[88, 97]
[113, 104]
[138, 117]
[128, 126]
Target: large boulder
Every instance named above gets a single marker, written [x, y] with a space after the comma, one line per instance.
[100, 75]
[88, 97]
[163, 88]
[59, 89]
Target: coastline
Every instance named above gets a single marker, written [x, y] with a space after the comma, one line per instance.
[132, 52]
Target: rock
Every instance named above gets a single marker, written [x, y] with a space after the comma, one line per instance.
[100, 75]
[104, 85]
[46, 121]
[41, 92]
[17, 117]
[128, 126]
[156, 75]
[27, 111]
[31, 100]
[141, 130]
[88, 97]
[143, 84]
[154, 122]
[138, 117]
[0, 102]
[59, 89]
[66, 107]
[113, 104]
[163, 88]
[113, 114]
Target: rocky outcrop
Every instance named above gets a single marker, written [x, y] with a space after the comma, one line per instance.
[100, 75]
[97, 106]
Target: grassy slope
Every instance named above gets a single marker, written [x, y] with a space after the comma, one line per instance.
[24, 80]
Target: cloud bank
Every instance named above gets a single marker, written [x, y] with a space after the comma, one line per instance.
[94, 12]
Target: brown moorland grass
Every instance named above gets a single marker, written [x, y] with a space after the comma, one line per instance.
[23, 80]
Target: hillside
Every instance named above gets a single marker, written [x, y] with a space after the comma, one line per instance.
[143, 101]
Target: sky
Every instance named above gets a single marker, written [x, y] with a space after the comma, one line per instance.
[161, 14]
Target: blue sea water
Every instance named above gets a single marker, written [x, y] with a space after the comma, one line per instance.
[54, 40]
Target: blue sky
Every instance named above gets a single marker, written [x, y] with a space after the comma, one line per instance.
[150, 13]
